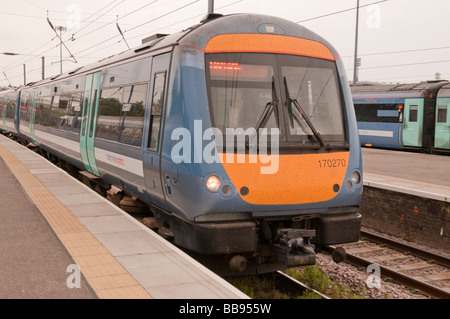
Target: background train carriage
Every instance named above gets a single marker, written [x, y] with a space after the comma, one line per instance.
[442, 129]
[403, 116]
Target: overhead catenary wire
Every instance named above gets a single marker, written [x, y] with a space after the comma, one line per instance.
[95, 14]
[114, 21]
[140, 25]
[101, 12]
[169, 25]
[61, 40]
[340, 11]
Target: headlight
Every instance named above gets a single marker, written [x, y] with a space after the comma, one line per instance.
[356, 177]
[213, 183]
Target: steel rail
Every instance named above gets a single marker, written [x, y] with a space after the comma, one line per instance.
[415, 251]
[296, 283]
[423, 287]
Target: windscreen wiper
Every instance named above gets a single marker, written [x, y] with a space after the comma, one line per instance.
[269, 109]
[289, 101]
[267, 112]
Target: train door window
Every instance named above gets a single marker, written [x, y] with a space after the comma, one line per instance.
[91, 129]
[413, 109]
[156, 110]
[442, 113]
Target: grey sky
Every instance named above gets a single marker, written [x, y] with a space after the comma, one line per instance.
[399, 40]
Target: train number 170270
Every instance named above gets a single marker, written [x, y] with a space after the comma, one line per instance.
[337, 162]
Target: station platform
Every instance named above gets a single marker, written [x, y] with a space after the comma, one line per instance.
[407, 195]
[422, 175]
[53, 226]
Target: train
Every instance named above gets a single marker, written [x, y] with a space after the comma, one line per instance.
[238, 135]
[412, 116]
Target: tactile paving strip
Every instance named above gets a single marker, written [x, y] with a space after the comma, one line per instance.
[106, 276]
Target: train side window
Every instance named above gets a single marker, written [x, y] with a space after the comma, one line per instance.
[413, 113]
[132, 114]
[25, 106]
[156, 110]
[121, 114]
[442, 113]
[72, 120]
[108, 120]
[10, 110]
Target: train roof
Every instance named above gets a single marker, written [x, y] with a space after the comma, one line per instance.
[211, 25]
[8, 90]
[372, 88]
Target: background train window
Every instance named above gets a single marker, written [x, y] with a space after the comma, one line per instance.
[413, 113]
[386, 113]
[442, 113]
[121, 114]
[156, 110]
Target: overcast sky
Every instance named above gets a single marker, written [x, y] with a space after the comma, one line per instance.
[399, 40]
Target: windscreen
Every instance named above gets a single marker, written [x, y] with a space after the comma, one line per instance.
[297, 94]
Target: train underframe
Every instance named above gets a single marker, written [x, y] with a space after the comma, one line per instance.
[261, 245]
[253, 246]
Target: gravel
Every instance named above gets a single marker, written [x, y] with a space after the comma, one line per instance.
[358, 280]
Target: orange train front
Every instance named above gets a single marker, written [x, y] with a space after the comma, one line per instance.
[239, 133]
[260, 148]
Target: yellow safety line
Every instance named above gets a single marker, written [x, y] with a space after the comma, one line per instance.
[106, 276]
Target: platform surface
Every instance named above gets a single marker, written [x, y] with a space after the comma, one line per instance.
[50, 221]
[423, 175]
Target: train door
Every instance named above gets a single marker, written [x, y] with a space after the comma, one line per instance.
[442, 127]
[4, 110]
[33, 115]
[89, 121]
[413, 122]
[154, 123]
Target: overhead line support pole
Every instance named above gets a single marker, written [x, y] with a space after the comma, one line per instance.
[210, 6]
[355, 66]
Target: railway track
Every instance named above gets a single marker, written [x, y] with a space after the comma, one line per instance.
[435, 285]
[294, 286]
[410, 266]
